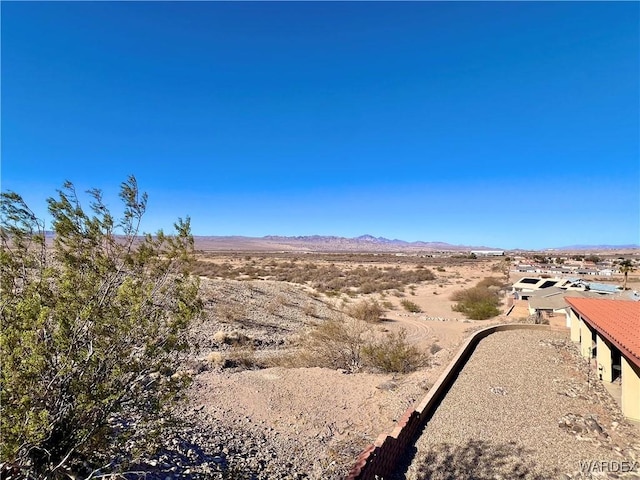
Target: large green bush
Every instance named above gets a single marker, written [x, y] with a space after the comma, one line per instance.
[93, 324]
[480, 302]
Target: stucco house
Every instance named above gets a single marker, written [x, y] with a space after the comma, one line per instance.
[608, 332]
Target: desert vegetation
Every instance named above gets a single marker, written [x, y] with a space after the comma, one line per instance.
[92, 332]
[348, 338]
[329, 278]
[480, 302]
[366, 310]
[354, 345]
[73, 399]
[392, 353]
[410, 306]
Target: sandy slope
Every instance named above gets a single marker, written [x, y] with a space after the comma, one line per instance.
[315, 421]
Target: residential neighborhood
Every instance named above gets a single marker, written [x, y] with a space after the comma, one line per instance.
[590, 265]
[603, 317]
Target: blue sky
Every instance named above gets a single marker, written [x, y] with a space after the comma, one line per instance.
[505, 124]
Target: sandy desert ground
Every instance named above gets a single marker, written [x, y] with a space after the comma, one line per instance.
[288, 423]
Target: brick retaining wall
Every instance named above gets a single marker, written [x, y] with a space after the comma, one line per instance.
[381, 458]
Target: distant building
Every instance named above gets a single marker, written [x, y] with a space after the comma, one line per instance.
[525, 268]
[587, 271]
[524, 287]
[488, 253]
[609, 333]
[602, 288]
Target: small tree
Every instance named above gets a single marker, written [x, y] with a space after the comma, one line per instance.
[92, 327]
[626, 267]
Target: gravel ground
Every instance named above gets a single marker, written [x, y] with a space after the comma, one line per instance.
[522, 408]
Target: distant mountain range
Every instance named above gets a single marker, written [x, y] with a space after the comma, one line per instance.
[363, 243]
[326, 243]
[599, 247]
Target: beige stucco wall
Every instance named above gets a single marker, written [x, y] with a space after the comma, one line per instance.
[582, 334]
[603, 356]
[575, 326]
[630, 390]
[586, 342]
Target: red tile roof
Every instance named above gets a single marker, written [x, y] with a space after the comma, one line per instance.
[617, 320]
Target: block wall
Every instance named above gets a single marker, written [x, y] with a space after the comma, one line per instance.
[380, 459]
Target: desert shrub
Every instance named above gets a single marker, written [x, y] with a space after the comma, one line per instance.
[388, 305]
[93, 328]
[239, 357]
[353, 345]
[473, 295]
[235, 338]
[393, 354]
[479, 302]
[410, 306]
[480, 311]
[368, 287]
[328, 279]
[491, 282]
[310, 310]
[216, 359]
[244, 358]
[336, 343]
[220, 336]
[366, 310]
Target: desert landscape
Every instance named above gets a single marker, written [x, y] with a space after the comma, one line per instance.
[321, 418]
[298, 363]
[320, 241]
[260, 408]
